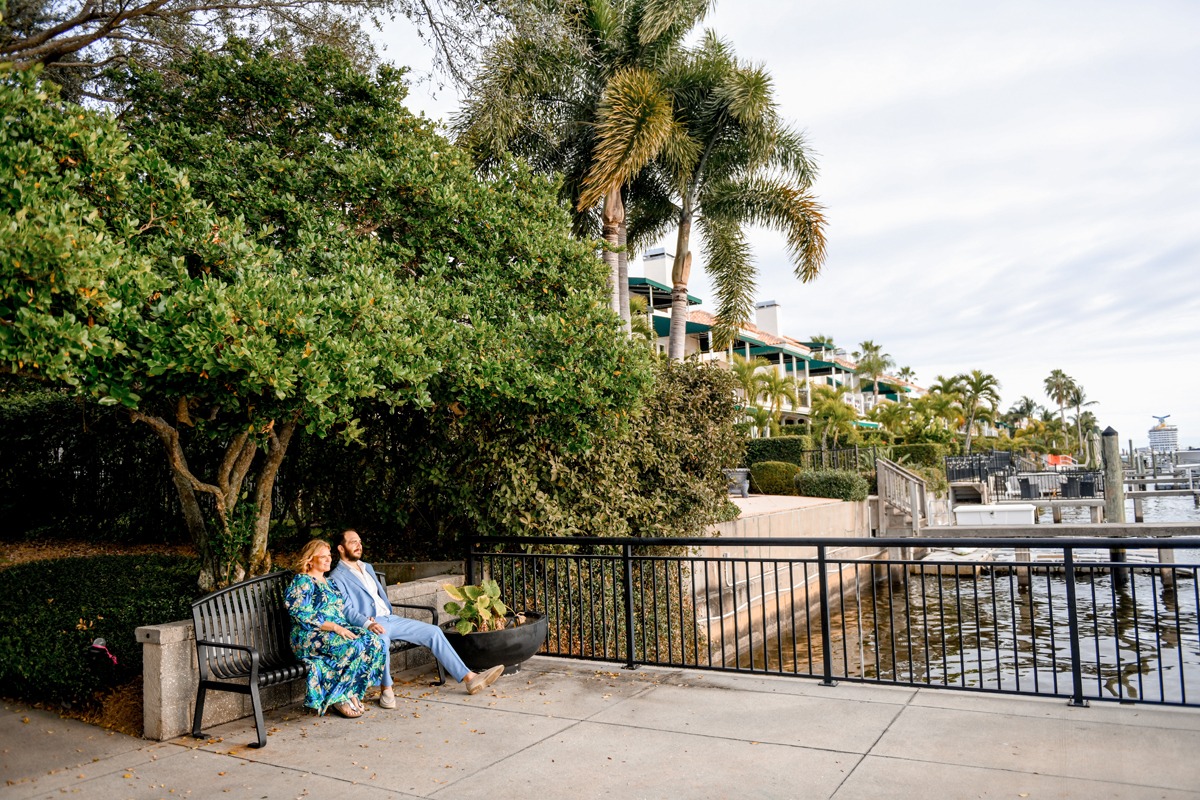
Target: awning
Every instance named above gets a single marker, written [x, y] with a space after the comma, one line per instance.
[659, 293]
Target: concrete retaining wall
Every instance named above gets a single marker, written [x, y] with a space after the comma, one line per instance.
[170, 674]
[768, 599]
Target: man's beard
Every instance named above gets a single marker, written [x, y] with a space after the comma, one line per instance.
[350, 558]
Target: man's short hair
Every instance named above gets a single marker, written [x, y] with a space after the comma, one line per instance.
[340, 539]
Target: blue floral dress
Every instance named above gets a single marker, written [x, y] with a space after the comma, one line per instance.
[337, 667]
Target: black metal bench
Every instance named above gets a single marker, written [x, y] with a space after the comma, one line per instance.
[242, 643]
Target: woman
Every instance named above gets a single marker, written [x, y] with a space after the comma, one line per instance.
[342, 662]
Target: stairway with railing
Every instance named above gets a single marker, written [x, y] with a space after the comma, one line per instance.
[903, 501]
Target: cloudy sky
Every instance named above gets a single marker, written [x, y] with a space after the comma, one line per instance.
[1012, 187]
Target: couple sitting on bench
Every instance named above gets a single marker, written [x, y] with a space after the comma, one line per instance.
[342, 623]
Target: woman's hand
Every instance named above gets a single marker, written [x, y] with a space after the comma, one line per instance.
[339, 630]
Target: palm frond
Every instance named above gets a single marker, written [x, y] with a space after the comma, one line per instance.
[634, 121]
[729, 263]
[779, 205]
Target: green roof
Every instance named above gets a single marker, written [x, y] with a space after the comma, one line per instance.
[661, 292]
[662, 326]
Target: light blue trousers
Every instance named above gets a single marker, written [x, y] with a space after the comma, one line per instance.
[422, 633]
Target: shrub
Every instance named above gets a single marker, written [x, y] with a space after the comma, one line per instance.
[929, 454]
[836, 483]
[934, 477]
[50, 611]
[784, 448]
[773, 477]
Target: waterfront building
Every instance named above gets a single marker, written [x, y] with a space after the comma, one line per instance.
[1164, 438]
[810, 364]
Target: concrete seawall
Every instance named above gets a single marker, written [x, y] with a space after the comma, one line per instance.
[764, 597]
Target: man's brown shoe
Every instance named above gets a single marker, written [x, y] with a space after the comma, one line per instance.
[484, 679]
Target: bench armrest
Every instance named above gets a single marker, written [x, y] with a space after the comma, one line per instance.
[253, 651]
[432, 611]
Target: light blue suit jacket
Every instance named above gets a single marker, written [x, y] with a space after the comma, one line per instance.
[359, 605]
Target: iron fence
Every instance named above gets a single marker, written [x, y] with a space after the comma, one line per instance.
[1082, 619]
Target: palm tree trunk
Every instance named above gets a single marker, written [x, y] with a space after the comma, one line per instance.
[613, 217]
[623, 275]
[681, 271]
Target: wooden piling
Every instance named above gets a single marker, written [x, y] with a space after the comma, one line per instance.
[1114, 496]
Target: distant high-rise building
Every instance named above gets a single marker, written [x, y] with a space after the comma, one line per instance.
[1164, 438]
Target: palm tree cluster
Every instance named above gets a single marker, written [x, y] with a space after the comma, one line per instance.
[650, 135]
[759, 381]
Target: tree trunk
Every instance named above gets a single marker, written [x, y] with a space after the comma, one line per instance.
[258, 557]
[613, 216]
[623, 275]
[677, 343]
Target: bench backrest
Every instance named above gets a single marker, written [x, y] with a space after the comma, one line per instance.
[249, 613]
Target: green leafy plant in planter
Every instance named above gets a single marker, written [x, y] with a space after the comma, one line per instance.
[487, 632]
[478, 607]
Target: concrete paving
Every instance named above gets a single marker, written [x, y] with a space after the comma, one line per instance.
[564, 728]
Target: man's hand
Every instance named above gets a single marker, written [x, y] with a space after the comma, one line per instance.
[375, 628]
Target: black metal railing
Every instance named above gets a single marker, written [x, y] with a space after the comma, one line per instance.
[1083, 619]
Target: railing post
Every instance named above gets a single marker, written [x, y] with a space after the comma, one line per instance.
[826, 635]
[471, 563]
[1073, 628]
[627, 559]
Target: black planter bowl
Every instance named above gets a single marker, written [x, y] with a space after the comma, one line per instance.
[508, 646]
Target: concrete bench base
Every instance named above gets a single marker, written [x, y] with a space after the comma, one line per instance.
[170, 674]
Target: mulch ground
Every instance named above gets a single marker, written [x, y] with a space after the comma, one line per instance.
[121, 708]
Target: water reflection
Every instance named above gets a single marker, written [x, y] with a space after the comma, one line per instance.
[1137, 641]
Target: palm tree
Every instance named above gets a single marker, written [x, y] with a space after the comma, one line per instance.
[823, 342]
[737, 164]
[906, 374]
[1059, 386]
[832, 416]
[892, 416]
[1022, 410]
[749, 375]
[980, 396]
[1078, 399]
[582, 93]
[872, 363]
[943, 401]
[777, 388]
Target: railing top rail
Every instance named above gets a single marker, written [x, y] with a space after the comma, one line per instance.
[1188, 542]
[894, 467]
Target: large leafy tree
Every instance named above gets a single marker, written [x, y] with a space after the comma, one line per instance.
[392, 275]
[75, 40]
[582, 94]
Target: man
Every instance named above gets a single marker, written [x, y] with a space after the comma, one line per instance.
[367, 606]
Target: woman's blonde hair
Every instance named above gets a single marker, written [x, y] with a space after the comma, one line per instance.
[305, 559]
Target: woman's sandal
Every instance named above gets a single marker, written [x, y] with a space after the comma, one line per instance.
[347, 709]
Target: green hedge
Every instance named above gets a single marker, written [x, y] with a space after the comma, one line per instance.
[783, 448]
[835, 483]
[930, 454]
[773, 477]
[51, 611]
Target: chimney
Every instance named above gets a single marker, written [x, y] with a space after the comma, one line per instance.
[766, 317]
[657, 264]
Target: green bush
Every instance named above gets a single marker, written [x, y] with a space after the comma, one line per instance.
[773, 477]
[934, 477]
[784, 448]
[836, 483]
[930, 454]
[51, 611]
